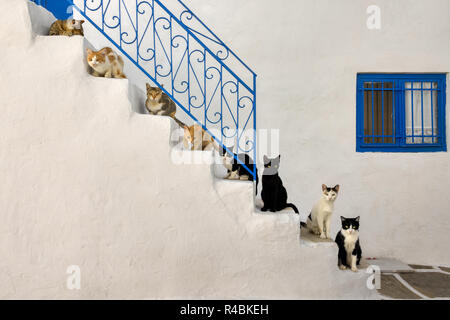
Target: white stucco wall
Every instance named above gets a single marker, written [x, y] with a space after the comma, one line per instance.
[307, 54]
[88, 182]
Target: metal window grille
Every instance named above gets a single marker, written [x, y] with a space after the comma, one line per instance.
[401, 112]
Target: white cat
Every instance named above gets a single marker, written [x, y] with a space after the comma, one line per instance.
[319, 221]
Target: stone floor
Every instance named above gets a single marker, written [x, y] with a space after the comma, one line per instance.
[398, 279]
[424, 282]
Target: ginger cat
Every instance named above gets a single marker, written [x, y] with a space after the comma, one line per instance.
[69, 27]
[105, 63]
[196, 138]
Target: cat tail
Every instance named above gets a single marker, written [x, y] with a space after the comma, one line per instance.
[216, 145]
[181, 124]
[291, 205]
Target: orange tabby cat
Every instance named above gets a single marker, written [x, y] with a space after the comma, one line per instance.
[69, 27]
[105, 63]
[196, 138]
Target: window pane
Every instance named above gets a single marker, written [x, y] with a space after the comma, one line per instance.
[367, 112]
[388, 113]
[379, 112]
[421, 112]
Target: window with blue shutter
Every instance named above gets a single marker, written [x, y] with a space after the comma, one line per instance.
[401, 113]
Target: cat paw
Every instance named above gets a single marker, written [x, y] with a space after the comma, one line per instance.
[328, 236]
[264, 209]
[354, 269]
[273, 210]
[322, 236]
[342, 267]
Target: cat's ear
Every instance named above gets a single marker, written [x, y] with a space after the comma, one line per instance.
[148, 86]
[266, 159]
[324, 187]
[336, 188]
[357, 218]
[82, 21]
[279, 157]
[89, 51]
[342, 219]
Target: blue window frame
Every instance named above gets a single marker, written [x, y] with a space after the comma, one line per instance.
[400, 113]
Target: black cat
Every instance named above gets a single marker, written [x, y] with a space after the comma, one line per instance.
[347, 239]
[235, 168]
[273, 193]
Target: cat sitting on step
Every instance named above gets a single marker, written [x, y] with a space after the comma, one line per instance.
[159, 103]
[274, 194]
[69, 27]
[236, 171]
[347, 239]
[319, 220]
[105, 63]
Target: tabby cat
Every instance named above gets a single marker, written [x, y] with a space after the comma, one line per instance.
[105, 63]
[159, 103]
[69, 27]
[196, 138]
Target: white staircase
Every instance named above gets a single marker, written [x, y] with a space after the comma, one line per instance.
[87, 181]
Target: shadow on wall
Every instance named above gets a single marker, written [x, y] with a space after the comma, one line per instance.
[40, 22]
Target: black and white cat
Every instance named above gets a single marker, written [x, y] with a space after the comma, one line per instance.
[347, 239]
[274, 194]
[236, 171]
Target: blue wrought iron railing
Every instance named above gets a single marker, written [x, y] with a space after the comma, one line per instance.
[181, 55]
